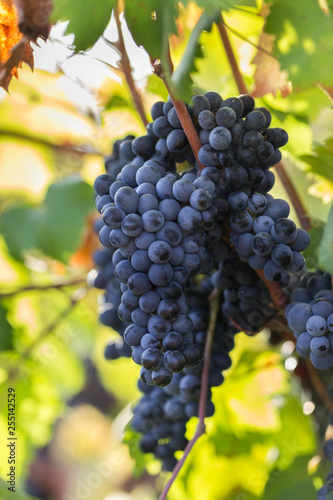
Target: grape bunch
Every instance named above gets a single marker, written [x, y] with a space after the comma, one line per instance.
[173, 236]
[165, 228]
[310, 316]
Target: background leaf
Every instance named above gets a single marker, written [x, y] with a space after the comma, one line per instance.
[304, 39]
[181, 79]
[55, 227]
[326, 245]
[6, 337]
[87, 20]
[150, 23]
[291, 483]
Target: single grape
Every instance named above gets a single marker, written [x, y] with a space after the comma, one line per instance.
[316, 326]
[319, 345]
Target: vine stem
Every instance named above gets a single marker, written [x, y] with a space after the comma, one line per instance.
[127, 70]
[201, 427]
[186, 121]
[231, 56]
[280, 169]
[278, 296]
[291, 191]
[55, 286]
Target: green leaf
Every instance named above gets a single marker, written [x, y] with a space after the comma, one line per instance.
[117, 101]
[55, 227]
[311, 253]
[132, 439]
[6, 337]
[321, 161]
[156, 86]
[150, 23]
[222, 4]
[304, 40]
[291, 483]
[87, 20]
[326, 245]
[181, 79]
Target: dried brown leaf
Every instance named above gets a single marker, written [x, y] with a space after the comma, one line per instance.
[21, 21]
[20, 53]
[268, 77]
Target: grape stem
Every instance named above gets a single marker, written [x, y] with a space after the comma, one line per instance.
[240, 328]
[201, 427]
[278, 296]
[295, 199]
[54, 286]
[187, 123]
[280, 169]
[231, 56]
[127, 70]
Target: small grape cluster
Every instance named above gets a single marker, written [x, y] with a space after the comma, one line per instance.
[310, 316]
[246, 300]
[265, 237]
[162, 413]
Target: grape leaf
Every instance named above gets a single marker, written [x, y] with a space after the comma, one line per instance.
[55, 227]
[21, 53]
[132, 439]
[87, 20]
[325, 251]
[6, 337]
[15, 49]
[311, 253]
[304, 40]
[150, 23]
[321, 161]
[222, 4]
[181, 78]
[291, 483]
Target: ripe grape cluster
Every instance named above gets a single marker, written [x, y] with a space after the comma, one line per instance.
[173, 236]
[310, 316]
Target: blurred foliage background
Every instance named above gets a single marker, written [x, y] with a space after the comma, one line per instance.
[56, 126]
